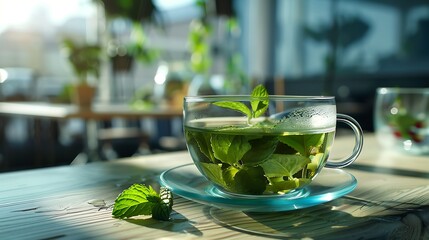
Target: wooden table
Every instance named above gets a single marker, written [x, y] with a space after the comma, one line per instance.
[90, 116]
[390, 201]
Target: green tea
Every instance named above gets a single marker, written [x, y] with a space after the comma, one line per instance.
[257, 160]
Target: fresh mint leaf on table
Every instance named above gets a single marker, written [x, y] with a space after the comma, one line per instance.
[143, 200]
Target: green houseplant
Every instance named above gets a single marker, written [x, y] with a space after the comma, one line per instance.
[85, 61]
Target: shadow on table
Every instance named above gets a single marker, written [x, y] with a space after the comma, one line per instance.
[177, 224]
[328, 221]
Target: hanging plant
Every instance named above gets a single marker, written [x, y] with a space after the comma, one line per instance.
[199, 45]
[137, 12]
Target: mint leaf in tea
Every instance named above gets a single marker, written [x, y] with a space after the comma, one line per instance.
[258, 104]
[255, 160]
[259, 101]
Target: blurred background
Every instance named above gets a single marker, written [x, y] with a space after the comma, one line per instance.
[154, 52]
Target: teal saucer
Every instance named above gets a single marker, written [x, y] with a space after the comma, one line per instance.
[187, 182]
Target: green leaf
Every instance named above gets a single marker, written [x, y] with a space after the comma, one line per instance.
[282, 186]
[284, 165]
[259, 103]
[261, 150]
[259, 100]
[163, 210]
[237, 106]
[213, 172]
[286, 186]
[229, 148]
[250, 181]
[316, 161]
[304, 144]
[203, 141]
[228, 175]
[403, 123]
[136, 200]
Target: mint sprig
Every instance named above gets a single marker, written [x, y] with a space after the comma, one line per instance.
[140, 199]
[258, 103]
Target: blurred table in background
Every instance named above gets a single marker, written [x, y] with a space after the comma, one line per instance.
[99, 112]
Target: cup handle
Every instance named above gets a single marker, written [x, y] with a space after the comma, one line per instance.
[358, 142]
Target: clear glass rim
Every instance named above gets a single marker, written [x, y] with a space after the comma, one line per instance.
[210, 98]
[384, 90]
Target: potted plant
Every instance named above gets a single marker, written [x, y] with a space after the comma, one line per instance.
[85, 61]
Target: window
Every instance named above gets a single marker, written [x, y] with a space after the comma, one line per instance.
[377, 37]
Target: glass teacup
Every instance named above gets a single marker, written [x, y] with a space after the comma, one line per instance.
[401, 119]
[264, 146]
